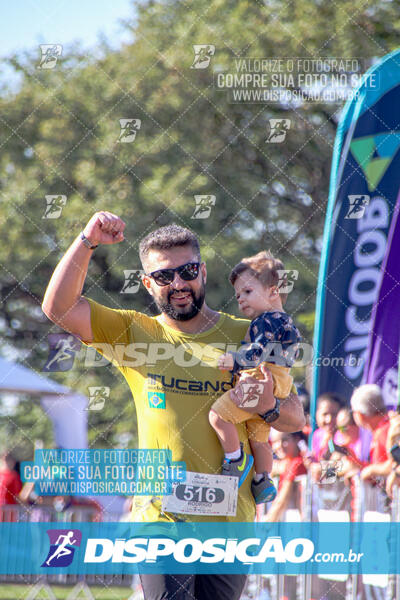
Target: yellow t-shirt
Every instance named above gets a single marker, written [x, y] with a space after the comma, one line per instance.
[174, 380]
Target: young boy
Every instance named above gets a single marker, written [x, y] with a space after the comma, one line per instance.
[274, 340]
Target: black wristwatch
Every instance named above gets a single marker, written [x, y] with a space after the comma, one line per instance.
[272, 415]
[87, 242]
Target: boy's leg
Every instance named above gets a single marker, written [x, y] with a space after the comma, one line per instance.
[226, 432]
[223, 415]
[258, 434]
[262, 454]
[262, 486]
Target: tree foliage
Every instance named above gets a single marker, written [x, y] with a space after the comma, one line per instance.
[59, 135]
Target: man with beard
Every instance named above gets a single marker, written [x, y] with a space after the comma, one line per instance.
[176, 385]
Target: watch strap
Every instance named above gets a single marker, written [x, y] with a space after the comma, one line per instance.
[272, 415]
[87, 242]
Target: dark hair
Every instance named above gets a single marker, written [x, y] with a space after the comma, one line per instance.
[263, 266]
[9, 459]
[332, 397]
[169, 236]
[299, 435]
[347, 410]
[296, 436]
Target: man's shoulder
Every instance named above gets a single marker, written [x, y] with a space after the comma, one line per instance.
[119, 325]
[232, 321]
[128, 313]
[230, 329]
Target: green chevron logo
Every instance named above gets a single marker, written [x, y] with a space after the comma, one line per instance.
[243, 464]
[374, 153]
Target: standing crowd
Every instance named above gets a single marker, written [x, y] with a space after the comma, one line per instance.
[360, 440]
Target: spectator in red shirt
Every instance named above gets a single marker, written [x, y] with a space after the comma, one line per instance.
[290, 465]
[10, 487]
[393, 440]
[10, 481]
[369, 411]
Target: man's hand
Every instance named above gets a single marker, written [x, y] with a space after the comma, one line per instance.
[63, 302]
[104, 228]
[266, 399]
[392, 480]
[291, 410]
[225, 362]
[371, 472]
[348, 475]
[368, 474]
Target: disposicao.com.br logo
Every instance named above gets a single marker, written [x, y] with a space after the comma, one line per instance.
[63, 543]
[193, 550]
[188, 550]
[204, 547]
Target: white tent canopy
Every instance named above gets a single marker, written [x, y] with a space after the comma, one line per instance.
[66, 409]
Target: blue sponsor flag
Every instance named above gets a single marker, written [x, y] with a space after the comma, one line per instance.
[384, 337]
[363, 191]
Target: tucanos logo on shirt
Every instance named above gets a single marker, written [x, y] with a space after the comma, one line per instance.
[156, 399]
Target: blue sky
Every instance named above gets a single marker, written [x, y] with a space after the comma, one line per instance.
[26, 23]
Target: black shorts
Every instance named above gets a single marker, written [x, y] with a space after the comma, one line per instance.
[193, 587]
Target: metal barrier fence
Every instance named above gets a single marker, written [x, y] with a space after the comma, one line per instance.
[308, 502]
[338, 503]
[80, 585]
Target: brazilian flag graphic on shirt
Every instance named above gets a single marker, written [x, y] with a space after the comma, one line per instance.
[156, 399]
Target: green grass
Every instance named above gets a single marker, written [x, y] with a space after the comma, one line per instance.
[20, 592]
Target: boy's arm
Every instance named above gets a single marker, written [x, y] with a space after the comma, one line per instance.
[237, 361]
[249, 355]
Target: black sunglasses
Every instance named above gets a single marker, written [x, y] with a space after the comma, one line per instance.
[187, 272]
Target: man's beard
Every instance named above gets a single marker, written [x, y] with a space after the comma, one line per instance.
[190, 312]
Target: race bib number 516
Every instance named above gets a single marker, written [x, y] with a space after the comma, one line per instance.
[203, 494]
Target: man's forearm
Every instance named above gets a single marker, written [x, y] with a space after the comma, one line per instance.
[291, 417]
[66, 284]
[62, 302]
[381, 469]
